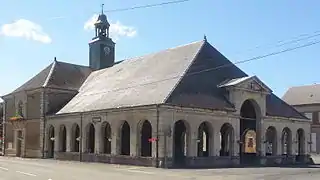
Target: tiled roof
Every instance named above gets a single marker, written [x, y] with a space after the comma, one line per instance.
[134, 82]
[303, 95]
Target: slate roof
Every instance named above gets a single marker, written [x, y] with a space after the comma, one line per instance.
[58, 75]
[167, 77]
[303, 95]
[134, 82]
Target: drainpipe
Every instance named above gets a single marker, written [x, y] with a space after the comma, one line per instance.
[157, 141]
[80, 139]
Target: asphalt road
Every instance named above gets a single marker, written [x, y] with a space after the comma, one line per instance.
[39, 169]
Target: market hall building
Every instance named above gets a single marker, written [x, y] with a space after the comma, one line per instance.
[187, 106]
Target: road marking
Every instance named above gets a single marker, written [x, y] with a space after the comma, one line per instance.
[25, 173]
[4, 168]
[137, 171]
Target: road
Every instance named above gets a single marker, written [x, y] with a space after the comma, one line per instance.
[41, 169]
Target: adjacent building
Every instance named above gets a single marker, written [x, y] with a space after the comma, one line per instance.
[186, 106]
[306, 99]
[1, 127]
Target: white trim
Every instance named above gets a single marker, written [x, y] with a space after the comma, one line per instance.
[50, 74]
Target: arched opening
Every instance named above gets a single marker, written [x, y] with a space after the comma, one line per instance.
[248, 122]
[226, 140]
[63, 138]
[286, 140]
[146, 134]
[125, 139]
[106, 138]
[51, 142]
[75, 138]
[180, 142]
[204, 136]
[90, 138]
[301, 141]
[271, 141]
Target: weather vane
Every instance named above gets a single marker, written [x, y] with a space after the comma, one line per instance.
[102, 8]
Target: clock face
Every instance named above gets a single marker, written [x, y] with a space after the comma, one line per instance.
[106, 50]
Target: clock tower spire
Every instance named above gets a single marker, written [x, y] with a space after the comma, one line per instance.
[101, 47]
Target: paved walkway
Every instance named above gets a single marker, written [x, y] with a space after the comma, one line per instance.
[39, 169]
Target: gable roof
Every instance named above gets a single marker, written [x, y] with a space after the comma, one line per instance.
[169, 76]
[303, 95]
[238, 81]
[234, 82]
[134, 82]
[58, 75]
[202, 89]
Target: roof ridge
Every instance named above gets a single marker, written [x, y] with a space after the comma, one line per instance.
[187, 69]
[53, 66]
[160, 51]
[307, 85]
[63, 62]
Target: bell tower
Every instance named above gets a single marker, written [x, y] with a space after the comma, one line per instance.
[101, 47]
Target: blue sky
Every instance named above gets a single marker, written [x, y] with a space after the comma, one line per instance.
[240, 30]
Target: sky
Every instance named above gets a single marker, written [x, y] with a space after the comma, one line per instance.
[33, 32]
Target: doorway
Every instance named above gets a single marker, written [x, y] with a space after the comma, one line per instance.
[19, 143]
[180, 140]
[248, 127]
[51, 142]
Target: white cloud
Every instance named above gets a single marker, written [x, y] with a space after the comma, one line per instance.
[25, 29]
[117, 29]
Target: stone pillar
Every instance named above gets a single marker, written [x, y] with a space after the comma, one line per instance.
[163, 136]
[237, 137]
[259, 136]
[43, 109]
[69, 138]
[98, 140]
[216, 142]
[115, 140]
[279, 142]
[133, 140]
[83, 138]
[57, 140]
[192, 142]
[263, 138]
